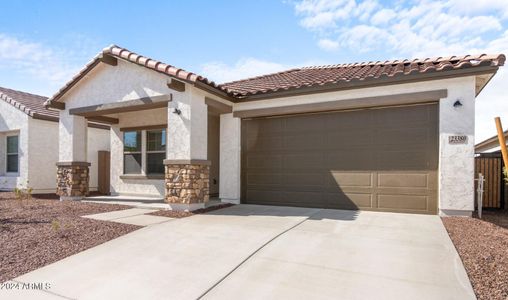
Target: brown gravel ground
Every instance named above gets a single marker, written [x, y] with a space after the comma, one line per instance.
[37, 232]
[483, 247]
[183, 214]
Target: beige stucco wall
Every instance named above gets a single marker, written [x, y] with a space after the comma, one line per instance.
[456, 162]
[43, 154]
[13, 121]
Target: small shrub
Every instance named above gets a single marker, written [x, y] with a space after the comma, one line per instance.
[62, 231]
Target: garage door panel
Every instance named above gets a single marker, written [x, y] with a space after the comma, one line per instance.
[304, 142]
[348, 200]
[264, 162]
[359, 159]
[403, 202]
[406, 180]
[375, 159]
[351, 179]
[268, 179]
[305, 179]
[265, 143]
[305, 162]
[401, 160]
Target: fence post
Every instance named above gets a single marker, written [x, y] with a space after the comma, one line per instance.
[479, 190]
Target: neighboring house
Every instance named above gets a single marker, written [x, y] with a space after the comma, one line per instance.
[29, 143]
[489, 145]
[370, 136]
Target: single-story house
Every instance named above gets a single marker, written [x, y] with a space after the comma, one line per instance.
[490, 145]
[393, 136]
[28, 143]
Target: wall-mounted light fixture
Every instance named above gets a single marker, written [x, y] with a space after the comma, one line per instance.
[177, 111]
[457, 104]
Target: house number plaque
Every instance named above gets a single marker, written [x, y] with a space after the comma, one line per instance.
[457, 139]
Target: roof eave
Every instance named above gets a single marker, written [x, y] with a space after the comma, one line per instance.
[369, 82]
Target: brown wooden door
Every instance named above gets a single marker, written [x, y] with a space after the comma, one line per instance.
[374, 159]
[104, 172]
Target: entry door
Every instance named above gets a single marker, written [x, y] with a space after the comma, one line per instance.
[103, 167]
[374, 159]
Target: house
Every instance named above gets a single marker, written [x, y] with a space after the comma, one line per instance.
[489, 145]
[28, 143]
[392, 136]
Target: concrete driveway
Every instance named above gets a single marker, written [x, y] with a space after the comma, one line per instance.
[256, 252]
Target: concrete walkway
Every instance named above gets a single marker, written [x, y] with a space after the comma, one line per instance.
[261, 252]
[134, 216]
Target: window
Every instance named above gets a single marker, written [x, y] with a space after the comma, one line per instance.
[132, 152]
[155, 151]
[12, 154]
[144, 151]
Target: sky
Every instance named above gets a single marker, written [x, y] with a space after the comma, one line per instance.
[44, 43]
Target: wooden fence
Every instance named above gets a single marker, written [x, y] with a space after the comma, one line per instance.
[495, 191]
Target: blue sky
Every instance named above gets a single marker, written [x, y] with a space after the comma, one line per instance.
[43, 43]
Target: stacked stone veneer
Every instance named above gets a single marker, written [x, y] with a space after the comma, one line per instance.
[187, 182]
[72, 179]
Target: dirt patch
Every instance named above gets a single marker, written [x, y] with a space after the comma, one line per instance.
[37, 232]
[483, 248]
[183, 214]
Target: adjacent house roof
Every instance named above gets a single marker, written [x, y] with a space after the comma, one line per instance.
[32, 105]
[300, 79]
[489, 143]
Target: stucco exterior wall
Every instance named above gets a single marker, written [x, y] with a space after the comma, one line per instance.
[230, 158]
[456, 162]
[43, 155]
[13, 121]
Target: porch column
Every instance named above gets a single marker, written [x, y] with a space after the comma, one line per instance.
[230, 158]
[72, 167]
[186, 166]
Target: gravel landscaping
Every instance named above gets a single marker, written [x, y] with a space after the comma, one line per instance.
[40, 231]
[483, 247]
[184, 214]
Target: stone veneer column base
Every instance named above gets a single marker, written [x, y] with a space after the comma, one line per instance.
[187, 183]
[72, 180]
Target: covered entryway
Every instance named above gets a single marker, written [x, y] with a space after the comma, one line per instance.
[383, 159]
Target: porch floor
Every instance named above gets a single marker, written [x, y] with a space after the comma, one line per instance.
[148, 202]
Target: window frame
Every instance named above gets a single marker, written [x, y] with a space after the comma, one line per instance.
[144, 150]
[140, 152]
[7, 153]
[164, 134]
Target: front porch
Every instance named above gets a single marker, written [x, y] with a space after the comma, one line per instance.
[160, 156]
[146, 202]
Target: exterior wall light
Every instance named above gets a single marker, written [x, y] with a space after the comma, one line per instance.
[177, 111]
[457, 104]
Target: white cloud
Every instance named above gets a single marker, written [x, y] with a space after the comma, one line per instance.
[35, 59]
[383, 16]
[419, 28]
[244, 68]
[328, 45]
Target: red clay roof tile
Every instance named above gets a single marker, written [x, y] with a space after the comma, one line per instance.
[28, 103]
[300, 77]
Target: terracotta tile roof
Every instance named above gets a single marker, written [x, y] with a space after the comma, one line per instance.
[333, 75]
[32, 105]
[149, 63]
[357, 72]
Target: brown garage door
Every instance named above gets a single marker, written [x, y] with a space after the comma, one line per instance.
[382, 159]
